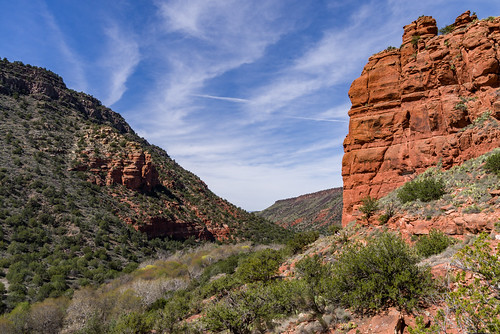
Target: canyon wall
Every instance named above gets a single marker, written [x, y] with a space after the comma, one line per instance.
[429, 102]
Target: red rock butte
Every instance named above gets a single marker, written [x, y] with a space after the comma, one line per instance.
[422, 104]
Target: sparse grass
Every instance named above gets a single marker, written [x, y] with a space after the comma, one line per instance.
[467, 188]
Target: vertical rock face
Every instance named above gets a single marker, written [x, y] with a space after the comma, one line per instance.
[434, 100]
[160, 227]
[135, 172]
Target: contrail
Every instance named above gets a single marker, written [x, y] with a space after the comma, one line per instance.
[223, 98]
[319, 119]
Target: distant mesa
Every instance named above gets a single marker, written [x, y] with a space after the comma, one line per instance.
[311, 212]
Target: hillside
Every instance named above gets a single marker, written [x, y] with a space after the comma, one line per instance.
[436, 99]
[362, 279]
[316, 211]
[82, 197]
[469, 204]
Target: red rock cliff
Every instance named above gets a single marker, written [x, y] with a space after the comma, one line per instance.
[135, 171]
[436, 99]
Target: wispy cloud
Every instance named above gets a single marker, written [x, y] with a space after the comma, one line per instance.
[120, 59]
[259, 146]
[77, 78]
[331, 61]
[225, 34]
[338, 111]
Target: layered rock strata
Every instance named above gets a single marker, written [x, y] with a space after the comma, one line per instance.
[135, 172]
[435, 100]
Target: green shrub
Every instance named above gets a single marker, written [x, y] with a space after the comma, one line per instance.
[415, 39]
[447, 29]
[238, 313]
[245, 310]
[224, 266]
[426, 190]
[381, 274]
[317, 279]
[219, 286]
[260, 266]
[474, 303]
[368, 207]
[461, 106]
[492, 164]
[169, 320]
[390, 210]
[334, 229]
[131, 323]
[300, 240]
[432, 244]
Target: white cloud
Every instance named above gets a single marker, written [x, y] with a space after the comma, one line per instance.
[319, 119]
[336, 112]
[252, 153]
[255, 187]
[199, 41]
[335, 59]
[120, 59]
[225, 34]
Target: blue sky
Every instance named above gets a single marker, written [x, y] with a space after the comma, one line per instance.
[249, 95]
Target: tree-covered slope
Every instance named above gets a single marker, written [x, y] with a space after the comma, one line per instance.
[316, 211]
[82, 197]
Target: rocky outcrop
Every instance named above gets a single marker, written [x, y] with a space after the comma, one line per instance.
[17, 79]
[434, 100]
[135, 172]
[453, 223]
[177, 230]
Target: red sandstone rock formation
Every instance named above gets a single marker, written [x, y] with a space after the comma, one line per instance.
[135, 172]
[420, 105]
[161, 227]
